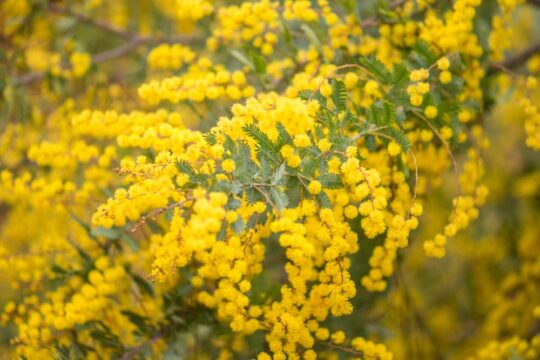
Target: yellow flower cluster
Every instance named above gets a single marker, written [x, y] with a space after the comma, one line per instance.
[321, 138]
[532, 123]
[252, 22]
[420, 87]
[465, 207]
[186, 12]
[512, 347]
[199, 83]
[170, 57]
[371, 350]
[502, 33]
[80, 63]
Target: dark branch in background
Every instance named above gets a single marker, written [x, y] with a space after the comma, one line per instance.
[518, 59]
[89, 21]
[134, 41]
[515, 61]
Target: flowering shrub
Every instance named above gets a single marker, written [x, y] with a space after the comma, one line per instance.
[269, 179]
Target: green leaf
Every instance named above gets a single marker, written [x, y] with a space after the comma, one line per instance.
[400, 76]
[79, 221]
[229, 144]
[289, 41]
[222, 234]
[210, 138]
[323, 200]
[242, 58]
[319, 132]
[105, 232]
[62, 353]
[83, 254]
[234, 204]
[278, 176]
[389, 111]
[305, 94]
[239, 225]
[426, 55]
[279, 198]
[130, 241]
[377, 69]
[236, 188]
[331, 181]
[244, 165]
[140, 321]
[259, 62]
[106, 339]
[381, 113]
[310, 166]
[284, 137]
[184, 167]
[144, 285]
[339, 95]
[253, 195]
[312, 37]
[265, 146]
[399, 136]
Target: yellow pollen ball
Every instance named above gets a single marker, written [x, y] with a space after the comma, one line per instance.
[314, 187]
[394, 148]
[431, 112]
[228, 165]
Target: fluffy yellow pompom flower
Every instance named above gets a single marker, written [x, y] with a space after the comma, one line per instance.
[431, 112]
[326, 89]
[351, 79]
[338, 337]
[324, 145]
[228, 165]
[80, 63]
[419, 75]
[302, 140]
[445, 77]
[443, 63]
[394, 148]
[351, 212]
[314, 187]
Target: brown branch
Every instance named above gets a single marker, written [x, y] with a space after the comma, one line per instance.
[133, 352]
[516, 60]
[89, 21]
[134, 41]
[374, 21]
[112, 54]
[534, 2]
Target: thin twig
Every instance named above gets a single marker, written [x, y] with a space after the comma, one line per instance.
[340, 348]
[134, 41]
[447, 147]
[130, 354]
[415, 180]
[515, 61]
[89, 21]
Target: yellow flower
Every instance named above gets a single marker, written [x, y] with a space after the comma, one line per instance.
[324, 145]
[431, 112]
[338, 337]
[314, 187]
[325, 89]
[394, 148]
[443, 63]
[419, 75]
[228, 165]
[445, 77]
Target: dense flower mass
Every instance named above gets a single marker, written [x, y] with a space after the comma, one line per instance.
[269, 179]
